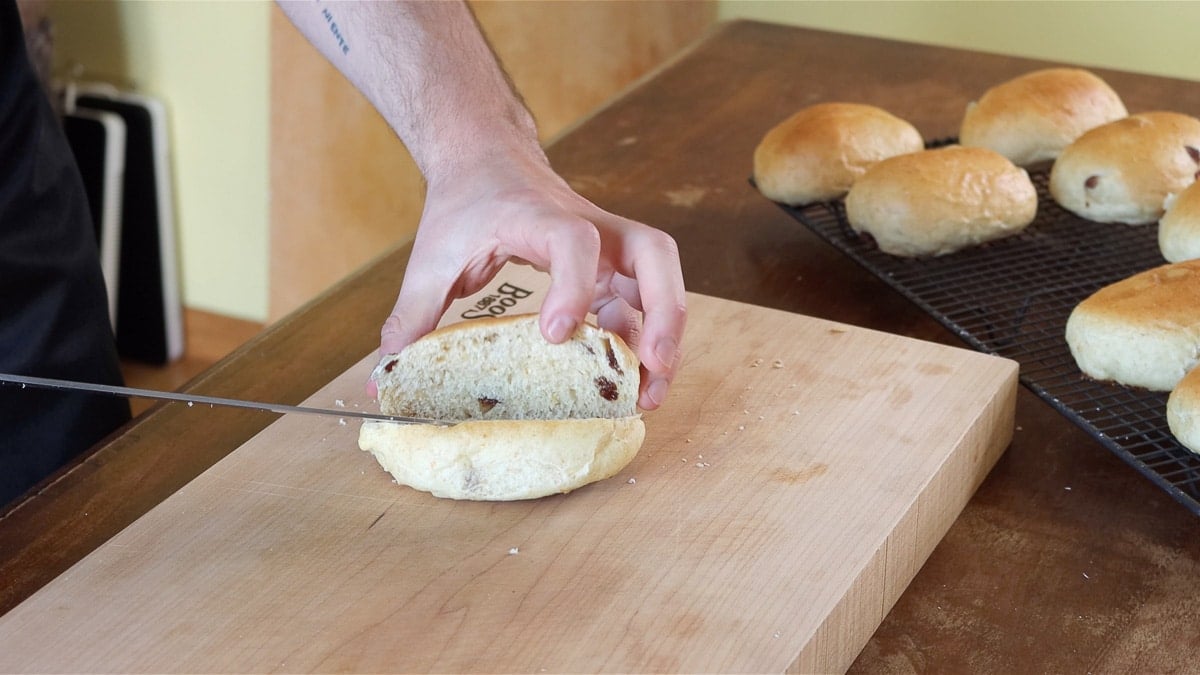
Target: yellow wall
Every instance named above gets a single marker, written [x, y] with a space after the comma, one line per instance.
[1155, 37]
[208, 61]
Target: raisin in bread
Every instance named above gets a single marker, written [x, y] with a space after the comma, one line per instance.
[530, 418]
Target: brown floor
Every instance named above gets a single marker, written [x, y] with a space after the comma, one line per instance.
[207, 337]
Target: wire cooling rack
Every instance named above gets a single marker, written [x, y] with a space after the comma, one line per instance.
[1012, 297]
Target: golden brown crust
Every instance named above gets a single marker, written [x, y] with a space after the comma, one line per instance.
[1031, 118]
[818, 153]
[1122, 171]
[938, 201]
[1160, 297]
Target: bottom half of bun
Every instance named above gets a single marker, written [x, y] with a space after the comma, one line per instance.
[504, 460]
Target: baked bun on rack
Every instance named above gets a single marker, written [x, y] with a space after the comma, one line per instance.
[1122, 172]
[1031, 118]
[530, 418]
[1179, 229]
[817, 154]
[935, 202]
[1143, 331]
[1183, 411]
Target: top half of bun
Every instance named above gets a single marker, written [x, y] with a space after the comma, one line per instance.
[503, 368]
[817, 153]
[1031, 118]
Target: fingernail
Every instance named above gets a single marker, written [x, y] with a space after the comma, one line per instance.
[666, 349]
[656, 391]
[561, 328]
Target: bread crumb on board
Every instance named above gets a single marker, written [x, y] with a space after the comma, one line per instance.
[631, 481]
[514, 550]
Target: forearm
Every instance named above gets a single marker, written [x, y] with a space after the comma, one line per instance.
[427, 69]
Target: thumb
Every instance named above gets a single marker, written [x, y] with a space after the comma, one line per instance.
[417, 311]
[414, 314]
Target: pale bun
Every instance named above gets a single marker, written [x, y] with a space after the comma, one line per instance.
[1183, 411]
[939, 201]
[1179, 229]
[532, 418]
[1031, 118]
[817, 154]
[503, 460]
[1143, 331]
[1122, 172]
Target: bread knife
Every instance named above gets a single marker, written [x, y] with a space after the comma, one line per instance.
[192, 399]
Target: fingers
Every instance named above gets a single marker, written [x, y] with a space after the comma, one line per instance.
[656, 289]
[573, 249]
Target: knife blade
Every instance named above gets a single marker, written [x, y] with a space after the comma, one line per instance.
[192, 399]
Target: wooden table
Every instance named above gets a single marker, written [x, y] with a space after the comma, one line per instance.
[1065, 560]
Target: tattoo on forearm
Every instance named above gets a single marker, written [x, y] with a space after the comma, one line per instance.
[337, 32]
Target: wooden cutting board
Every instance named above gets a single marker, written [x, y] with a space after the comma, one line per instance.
[796, 480]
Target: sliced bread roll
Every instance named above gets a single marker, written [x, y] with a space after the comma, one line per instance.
[1031, 118]
[1122, 172]
[1179, 229]
[817, 154]
[530, 418]
[1183, 411]
[935, 202]
[1143, 331]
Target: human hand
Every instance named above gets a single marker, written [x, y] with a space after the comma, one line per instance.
[478, 219]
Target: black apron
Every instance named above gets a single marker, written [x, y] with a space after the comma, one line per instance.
[53, 309]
